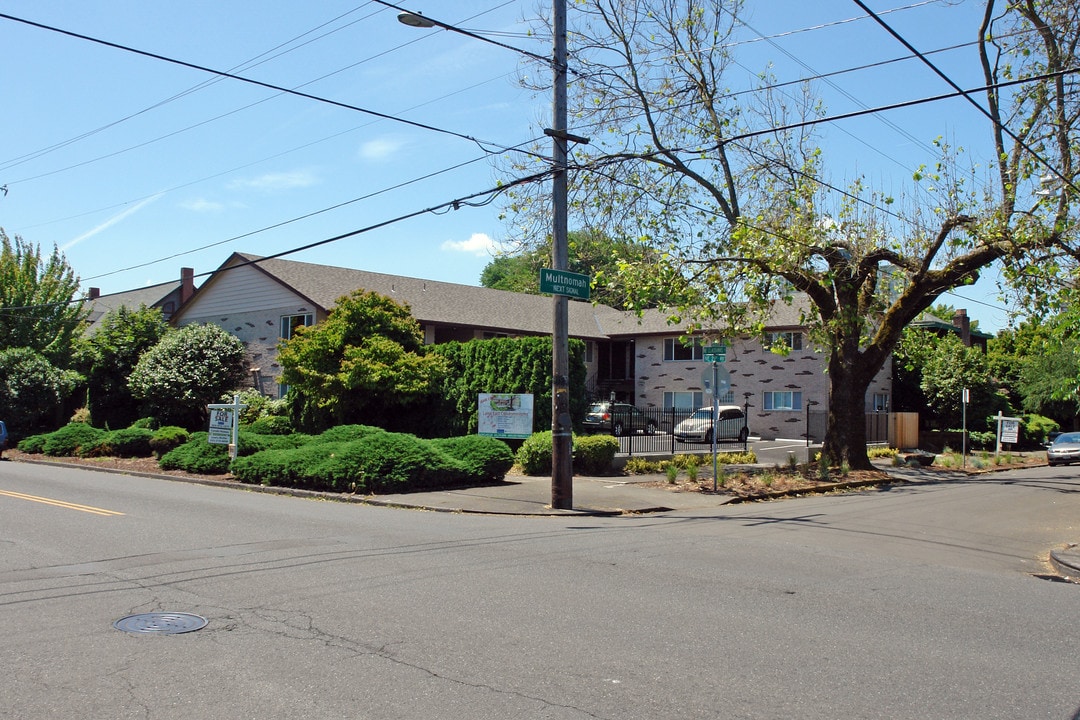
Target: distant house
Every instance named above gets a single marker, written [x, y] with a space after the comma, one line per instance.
[960, 326]
[167, 297]
[641, 360]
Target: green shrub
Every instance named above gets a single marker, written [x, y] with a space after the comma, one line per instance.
[35, 444]
[882, 452]
[197, 456]
[641, 466]
[1037, 428]
[593, 454]
[166, 438]
[483, 458]
[147, 423]
[379, 461]
[271, 425]
[130, 442]
[66, 441]
[534, 455]
[347, 433]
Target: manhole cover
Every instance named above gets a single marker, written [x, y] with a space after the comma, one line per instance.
[161, 623]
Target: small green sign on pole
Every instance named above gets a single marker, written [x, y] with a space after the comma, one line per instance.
[715, 353]
[562, 282]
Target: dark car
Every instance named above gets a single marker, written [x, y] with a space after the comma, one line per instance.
[617, 419]
[1064, 449]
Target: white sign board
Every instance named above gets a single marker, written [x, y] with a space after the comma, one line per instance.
[221, 424]
[505, 415]
[1010, 430]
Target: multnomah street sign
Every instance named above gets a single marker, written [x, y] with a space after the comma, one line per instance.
[562, 282]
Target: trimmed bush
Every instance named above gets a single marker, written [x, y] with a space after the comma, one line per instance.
[66, 441]
[348, 433]
[130, 442]
[377, 461]
[271, 425]
[146, 423]
[593, 454]
[166, 438]
[483, 458]
[197, 456]
[35, 444]
[534, 455]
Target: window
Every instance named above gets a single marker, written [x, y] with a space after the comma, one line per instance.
[675, 349]
[683, 400]
[289, 323]
[881, 402]
[783, 400]
[790, 340]
[590, 351]
[495, 335]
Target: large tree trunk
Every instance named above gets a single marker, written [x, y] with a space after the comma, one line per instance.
[845, 432]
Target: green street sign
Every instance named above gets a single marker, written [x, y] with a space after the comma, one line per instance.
[561, 282]
[715, 353]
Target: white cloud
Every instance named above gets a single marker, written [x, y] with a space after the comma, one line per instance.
[202, 205]
[271, 182]
[478, 244]
[110, 222]
[381, 149]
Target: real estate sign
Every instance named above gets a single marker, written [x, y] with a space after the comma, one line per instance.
[221, 425]
[505, 415]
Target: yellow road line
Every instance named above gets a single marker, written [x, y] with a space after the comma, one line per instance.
[61, 503]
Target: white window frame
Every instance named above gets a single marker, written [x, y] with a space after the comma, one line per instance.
[695, 350]
[287, 325]
[697, 399]
[789, 400]
[881, 402]
[792, 340]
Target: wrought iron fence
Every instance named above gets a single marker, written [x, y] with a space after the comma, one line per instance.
[653, 432]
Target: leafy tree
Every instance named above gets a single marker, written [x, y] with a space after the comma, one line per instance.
[1039, 362]
[950, 367]
[38, 309]
[111, 354]
[732, 186]
[31, 388]
[365, 364]
[187, 370]
[591, 253]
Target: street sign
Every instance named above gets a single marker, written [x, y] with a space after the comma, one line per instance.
[562, 282]
[715, 353]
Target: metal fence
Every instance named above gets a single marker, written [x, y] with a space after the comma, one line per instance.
[653, 433]
[639, 440]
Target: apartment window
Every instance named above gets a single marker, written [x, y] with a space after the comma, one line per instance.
[590, 351]
[683, 400]
[881, 402]
[790, 340]
[675, 349]
[783, 400]
[289, 323]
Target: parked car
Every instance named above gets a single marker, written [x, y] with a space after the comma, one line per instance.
[618, 419]
[699, 426]
[1064, 449]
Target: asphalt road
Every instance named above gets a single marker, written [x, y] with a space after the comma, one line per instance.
[917, 602]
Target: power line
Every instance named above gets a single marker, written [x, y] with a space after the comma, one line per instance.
[967, 96]
[469, 200]
[252, 81]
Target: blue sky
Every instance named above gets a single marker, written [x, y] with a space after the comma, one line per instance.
[135, 167]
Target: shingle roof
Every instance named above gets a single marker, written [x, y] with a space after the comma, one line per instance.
[433, 301]
[149, 296]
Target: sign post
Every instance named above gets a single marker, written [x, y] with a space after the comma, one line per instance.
[225, 424]
[716, 354]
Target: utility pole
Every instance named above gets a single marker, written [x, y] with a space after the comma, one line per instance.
[562, 474]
